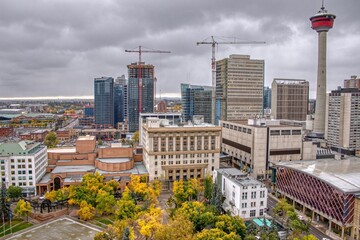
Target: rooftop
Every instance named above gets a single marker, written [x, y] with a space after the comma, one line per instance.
[75, 168]
[62, 150]
[342, 174]
[87, 137]
[139, 168]
[19, 148]
[114, 160]
[239, 177]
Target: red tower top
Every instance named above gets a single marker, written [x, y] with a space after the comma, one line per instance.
[322, 21]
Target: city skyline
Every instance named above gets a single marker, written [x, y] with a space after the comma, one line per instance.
[43, 53]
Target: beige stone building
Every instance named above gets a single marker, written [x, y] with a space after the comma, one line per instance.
[353, 82]
[239, 87]
[343, 120]
[255, 144]
[289, 99]
[172, 152]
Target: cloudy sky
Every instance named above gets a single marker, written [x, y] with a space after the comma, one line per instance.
[57, 47]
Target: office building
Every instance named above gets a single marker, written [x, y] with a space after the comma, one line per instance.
[290, 99]
[104, 101]
[327, 190]
[239, 87]
[353, 82]
[343, 125]
[23, 164]
[120, 100]
[321, 22]
[257, 143]
[173, 152]
[196, 100]
[244, 196]
[89, 110]
[267, 98]
[140, 93]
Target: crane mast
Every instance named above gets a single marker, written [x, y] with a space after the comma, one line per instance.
[213, 44]
[140, 51]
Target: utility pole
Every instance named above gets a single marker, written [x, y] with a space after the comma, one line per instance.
[214, 43]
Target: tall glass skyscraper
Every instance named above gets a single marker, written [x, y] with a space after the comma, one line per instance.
[140, 92]
[120, 99]
[104, 101]
[196, 100]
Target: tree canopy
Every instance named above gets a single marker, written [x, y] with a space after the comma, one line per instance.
[51, 140]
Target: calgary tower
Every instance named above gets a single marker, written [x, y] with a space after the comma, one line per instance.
[321, 22]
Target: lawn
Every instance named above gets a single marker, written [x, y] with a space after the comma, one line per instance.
[17, 225]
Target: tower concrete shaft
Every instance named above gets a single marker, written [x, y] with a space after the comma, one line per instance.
[319, 124]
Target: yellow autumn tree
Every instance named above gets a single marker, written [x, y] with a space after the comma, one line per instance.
[149, 222]
[50, 196]
[23, 208]
[86, 211]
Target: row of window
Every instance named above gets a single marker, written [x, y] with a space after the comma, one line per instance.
[237, 128]
[285, 132]
[253, 195]
[184, 162]
[252, 204]
[178, 156]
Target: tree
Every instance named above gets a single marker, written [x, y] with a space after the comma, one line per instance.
[51, 140]
[128, 234]
[104, 202]
[309, 237]
[135, 137]
[230, 224]
[51, 195]
[4, 205]
[23, 208]
[208, 187]
[86, 211]
[216, 233]
[149, 222]
[178, 228]
[216, 198]
[126, 207]
[14, 192]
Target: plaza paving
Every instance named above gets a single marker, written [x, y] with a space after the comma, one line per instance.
[63, 228]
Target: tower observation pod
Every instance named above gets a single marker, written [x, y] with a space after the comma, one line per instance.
[321, 22]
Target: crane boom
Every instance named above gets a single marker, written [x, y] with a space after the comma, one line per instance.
[140, 51]
[213, 43]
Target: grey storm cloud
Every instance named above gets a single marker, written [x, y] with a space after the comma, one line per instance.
[57, 47]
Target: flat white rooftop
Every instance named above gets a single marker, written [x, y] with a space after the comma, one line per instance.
[62, 150]
[70, 169]
[342, 174]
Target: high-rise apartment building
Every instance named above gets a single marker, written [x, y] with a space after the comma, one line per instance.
[23, 164]
[120, 99]
[196, 100]
[290, 99]
[104, 101]
[343, 128]
[173, 152]
[140, 92]
[353, 82]
[239, 87]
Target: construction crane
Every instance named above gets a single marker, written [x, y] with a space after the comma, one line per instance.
[140, 50]
[214, 43]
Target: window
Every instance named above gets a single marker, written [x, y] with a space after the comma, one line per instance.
[261, 212]
[261, 203]
[244, 205]
[155, 172]
[243, 212]
[275, 132]
[253, 195]
[252, 213]
[155, 163]
[244, 195]
[253, 204]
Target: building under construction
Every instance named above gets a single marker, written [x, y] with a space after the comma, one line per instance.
[141, 88]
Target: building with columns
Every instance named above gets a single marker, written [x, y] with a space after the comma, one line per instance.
[173, 152]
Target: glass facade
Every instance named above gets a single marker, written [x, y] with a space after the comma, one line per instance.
[104, 101]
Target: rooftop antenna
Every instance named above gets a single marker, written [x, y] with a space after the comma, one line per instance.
[322, 5]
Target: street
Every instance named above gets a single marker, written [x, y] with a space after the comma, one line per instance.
[271, 202]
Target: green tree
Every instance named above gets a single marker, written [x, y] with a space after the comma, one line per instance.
[23, 208]
[4, 205]
[208, 187]
[216, 233]
[51, 140]
[230, 224]
[14, 192]
[126, 207]
[104, 202]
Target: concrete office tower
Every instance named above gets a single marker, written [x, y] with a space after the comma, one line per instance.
[120, 99]
[344, 119]
[140, 99]
[196, 100]
[353, 82]
[239, 87]
[290, 99]
[104, 101]
[321, 22]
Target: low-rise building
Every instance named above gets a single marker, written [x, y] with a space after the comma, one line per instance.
[6, 132]
[326, 190]
[173, 152]
[23, 164]
[244, 196]
[257, 143]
